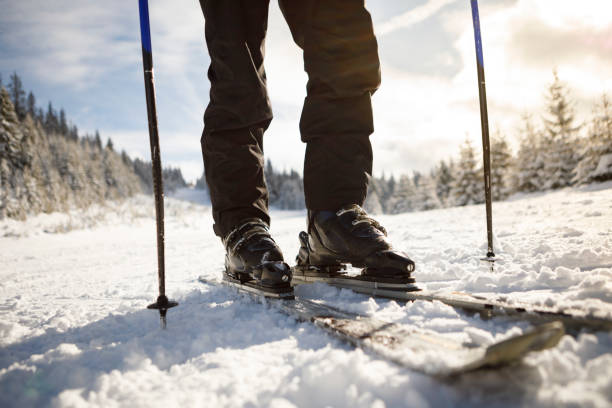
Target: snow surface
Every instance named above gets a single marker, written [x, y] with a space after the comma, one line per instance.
[74, 331]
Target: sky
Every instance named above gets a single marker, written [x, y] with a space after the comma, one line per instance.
[85, 56]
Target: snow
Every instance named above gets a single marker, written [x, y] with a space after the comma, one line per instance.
[74, 330]
[604, 167]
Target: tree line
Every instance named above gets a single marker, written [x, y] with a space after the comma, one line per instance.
[46, 165]
[554, 152]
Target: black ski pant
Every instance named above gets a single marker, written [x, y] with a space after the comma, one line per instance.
[341, 60]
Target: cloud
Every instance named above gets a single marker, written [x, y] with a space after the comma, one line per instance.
[63, 41]
[412, 17]
[523, 43]
[423, 117]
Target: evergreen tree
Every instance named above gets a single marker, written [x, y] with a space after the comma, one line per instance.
[467, 187]
[40, 116]
[375, 197]
[372, 203]
[31, 103]
[73, 133]
[63, 124]
[109, 145]
[201, 182]
[528, 172]
[596, 155]
[98, 140]
[291, 192]
[14, 157]
[443, 177]
[15, 88]
[501, 167]
[272, 182]
[560, 137]
[144, 172]
[416, 177]
[426, 197]
[51, 121]
[403, 199]
[391, 186]
[126, 159]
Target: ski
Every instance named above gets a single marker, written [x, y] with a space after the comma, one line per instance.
[488, 307]
[254, 289]
[414, 348]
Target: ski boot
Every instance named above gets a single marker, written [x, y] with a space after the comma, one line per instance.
[254, 262]
[350, 236]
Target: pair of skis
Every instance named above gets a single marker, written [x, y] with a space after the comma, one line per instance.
[417, 349]
[497, 306]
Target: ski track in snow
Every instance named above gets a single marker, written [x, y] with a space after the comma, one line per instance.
[74, 331]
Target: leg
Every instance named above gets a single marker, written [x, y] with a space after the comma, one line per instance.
[341, 59]
[238, 113]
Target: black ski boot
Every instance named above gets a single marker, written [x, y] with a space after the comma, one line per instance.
[350, 236]
[254, 262]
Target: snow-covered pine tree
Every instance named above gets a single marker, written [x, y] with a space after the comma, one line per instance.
[391, 184]
[559, 137]
[35, 197]
[383, 191]
[272, 182]
[15, 88]
[292, 192]
[98, 140]
[373, 203]
[54, 193]
[403, 198]
[201, 182]
[443, 177]
[172, 177]
[501, 167]
[426, 196]
[63, 124]
[31, 105]
[528, 174]
[94, 171]
[13, 158]
[51, 120]
[468, 185]
[596, 156]
[73, 133]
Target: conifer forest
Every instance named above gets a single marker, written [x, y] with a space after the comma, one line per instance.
[46, 165]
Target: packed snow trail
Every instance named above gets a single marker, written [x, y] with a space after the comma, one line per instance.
[74, 331]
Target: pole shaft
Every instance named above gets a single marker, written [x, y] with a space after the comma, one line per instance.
[484, 125]
[147, 61]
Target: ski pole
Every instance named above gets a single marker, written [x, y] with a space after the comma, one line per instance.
[162, 304]
[484, 125]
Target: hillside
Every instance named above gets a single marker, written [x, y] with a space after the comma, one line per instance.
[47, 172]
[45, 166]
